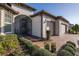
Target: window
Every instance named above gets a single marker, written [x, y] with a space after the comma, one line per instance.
[8, 21]
[7, 28]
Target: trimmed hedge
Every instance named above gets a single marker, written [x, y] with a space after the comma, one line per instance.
[71, 43]
[34, 50]
[71, 50]
[68, 49]
[64, 53]
[46, 46]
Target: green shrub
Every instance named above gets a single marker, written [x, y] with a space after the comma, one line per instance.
[64, 53]
[18, 52]
[1, 49]
[42, 52]
[27, 42]
[71, 31]
[71, 43]
[46, 46]
[68, 44]
[8, 43]
[70, 47]
[34, 50]
[71, 50]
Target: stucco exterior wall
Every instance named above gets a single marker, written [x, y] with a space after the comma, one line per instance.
[57, 27]
[36, 26]
[22, 10]
[2, 21]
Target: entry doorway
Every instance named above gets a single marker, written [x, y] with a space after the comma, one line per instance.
[51, 26]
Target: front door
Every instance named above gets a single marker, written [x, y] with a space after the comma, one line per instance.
[25, 27]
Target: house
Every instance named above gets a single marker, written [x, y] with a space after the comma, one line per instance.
[21, 19]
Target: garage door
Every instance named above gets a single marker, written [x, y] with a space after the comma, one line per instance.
[62, 29]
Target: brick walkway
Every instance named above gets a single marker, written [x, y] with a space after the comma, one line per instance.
[60, 40]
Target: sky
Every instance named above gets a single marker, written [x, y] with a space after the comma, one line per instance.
[70, 11]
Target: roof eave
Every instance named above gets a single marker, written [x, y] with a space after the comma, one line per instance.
[8, 8]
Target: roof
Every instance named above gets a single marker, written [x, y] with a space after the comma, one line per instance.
[27, 6]
[62, 18]
[43, 12]
[8, 8]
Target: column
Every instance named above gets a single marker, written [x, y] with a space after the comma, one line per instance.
[2, 21]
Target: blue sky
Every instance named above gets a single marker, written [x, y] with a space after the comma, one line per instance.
[69, 11]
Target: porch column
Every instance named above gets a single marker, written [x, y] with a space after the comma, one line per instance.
[13, 25]
[2, 21]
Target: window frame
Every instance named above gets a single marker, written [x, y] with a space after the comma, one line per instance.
[10, 17]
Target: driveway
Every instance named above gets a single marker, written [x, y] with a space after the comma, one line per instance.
[60, 40]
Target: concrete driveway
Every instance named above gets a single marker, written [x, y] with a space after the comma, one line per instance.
[60, 40]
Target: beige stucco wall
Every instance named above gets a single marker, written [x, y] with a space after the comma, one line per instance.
[22, 10]
[2, 21]
[57, 27]
[36, 26]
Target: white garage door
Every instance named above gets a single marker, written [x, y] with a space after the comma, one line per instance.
[62, 29]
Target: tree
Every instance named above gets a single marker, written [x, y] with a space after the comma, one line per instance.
[76, 28]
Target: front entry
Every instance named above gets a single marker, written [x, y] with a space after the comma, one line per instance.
[23, 25]
[51, 26]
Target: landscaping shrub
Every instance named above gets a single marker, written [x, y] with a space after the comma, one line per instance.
[8, 44]
[71, 43]
[71, 31]
[46, 46]
[70, 47]
[2, 51]
[34, 50]
[71, 50]
[18, 52]
[64, 53]
[42, 52]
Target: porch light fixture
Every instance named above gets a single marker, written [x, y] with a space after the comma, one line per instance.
[48, 29]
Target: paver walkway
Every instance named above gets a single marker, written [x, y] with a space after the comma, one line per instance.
[60, 40]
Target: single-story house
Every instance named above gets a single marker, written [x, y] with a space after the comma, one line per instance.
[21, 19]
